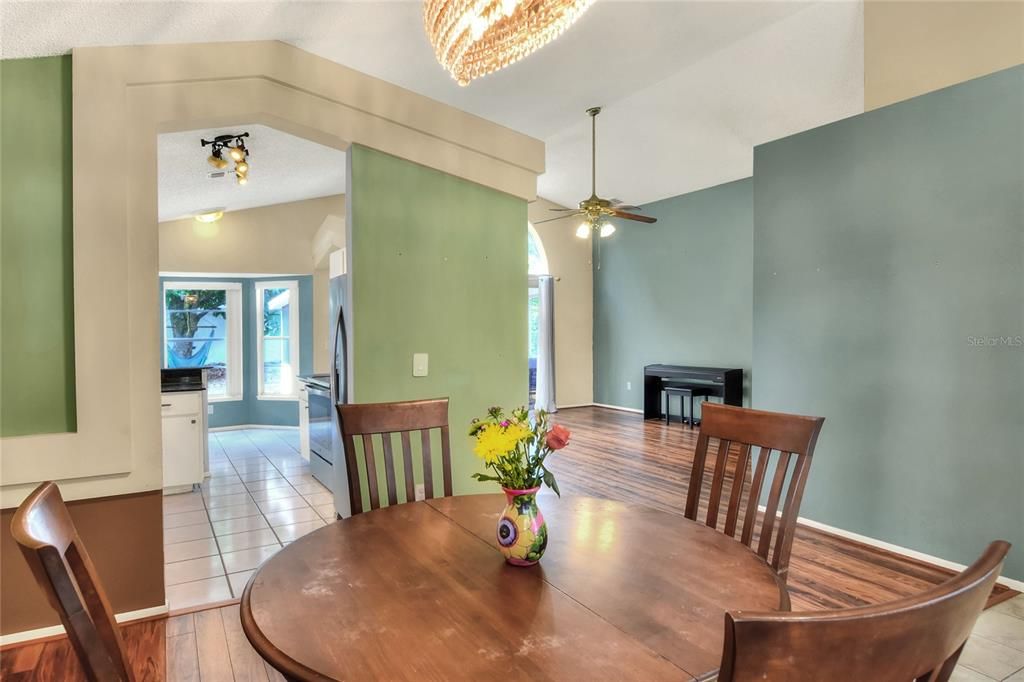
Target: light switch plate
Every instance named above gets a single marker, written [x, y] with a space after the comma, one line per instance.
[419, 364]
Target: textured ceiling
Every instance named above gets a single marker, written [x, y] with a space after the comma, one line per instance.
[282, 168]
[688, 87]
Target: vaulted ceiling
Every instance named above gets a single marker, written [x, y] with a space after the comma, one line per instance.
[688, 87]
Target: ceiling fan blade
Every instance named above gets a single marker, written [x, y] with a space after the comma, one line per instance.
[561, 217]
[563, 209]
[625, 207]
[633, 216]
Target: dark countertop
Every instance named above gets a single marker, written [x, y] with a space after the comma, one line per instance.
[181, 389]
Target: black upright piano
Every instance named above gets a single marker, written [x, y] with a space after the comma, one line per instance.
[725, 383]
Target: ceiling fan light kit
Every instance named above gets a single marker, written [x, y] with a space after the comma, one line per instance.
[595, 210]
[472, 38]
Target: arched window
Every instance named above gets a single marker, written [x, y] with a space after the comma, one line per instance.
[538, 260]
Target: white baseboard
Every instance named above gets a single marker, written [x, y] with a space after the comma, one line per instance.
[240, 427]
[620, 408]
[56, 630]
[896, 549]
[569, 407]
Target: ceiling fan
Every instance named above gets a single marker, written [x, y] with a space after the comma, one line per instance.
[595, 210]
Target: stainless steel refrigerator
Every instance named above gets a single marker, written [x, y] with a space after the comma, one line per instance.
[339, 390]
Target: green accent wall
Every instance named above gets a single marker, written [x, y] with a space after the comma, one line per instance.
[438, 266]
[678, 291]
[37, 353]
[889, 298]
[250, 409]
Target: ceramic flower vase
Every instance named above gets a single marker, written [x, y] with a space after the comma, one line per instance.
[522, 533]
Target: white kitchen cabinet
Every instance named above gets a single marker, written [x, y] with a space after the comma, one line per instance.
[303, 422]
[184, 439]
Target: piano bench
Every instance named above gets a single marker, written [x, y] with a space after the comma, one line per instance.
[684, 391]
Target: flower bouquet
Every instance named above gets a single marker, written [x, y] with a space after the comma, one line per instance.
[514, 449]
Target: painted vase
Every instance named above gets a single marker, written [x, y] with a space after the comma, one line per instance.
[522, 533]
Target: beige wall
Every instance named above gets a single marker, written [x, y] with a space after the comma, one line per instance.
[125, 97]
[569, 260]
[283, 239]
[321, 321]
[274, 239]
[914, 47]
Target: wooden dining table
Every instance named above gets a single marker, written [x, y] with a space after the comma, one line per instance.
[419, 591]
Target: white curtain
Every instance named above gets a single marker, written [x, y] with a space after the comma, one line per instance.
[545, 398]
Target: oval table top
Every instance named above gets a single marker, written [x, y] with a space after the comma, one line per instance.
[419, 591]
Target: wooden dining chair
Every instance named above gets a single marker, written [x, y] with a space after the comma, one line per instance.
[47, 537]
[918, 638]
[384, 420]
[747, 441]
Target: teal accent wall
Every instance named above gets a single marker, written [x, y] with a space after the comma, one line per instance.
[37, 351]
[678, 291]
[438, 267]
[889, 298]
[251, 410]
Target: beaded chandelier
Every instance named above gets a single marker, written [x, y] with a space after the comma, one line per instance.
[473, 38]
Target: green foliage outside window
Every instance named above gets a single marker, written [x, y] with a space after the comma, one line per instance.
[186, 309]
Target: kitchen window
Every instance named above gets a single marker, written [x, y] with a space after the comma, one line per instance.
[277, 351]
[203, 328]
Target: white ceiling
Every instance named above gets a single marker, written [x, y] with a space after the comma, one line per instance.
[282, 168]
[688, 87]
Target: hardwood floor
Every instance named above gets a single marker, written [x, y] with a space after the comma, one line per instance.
[55, 659]
[613, 454]
[618, 455]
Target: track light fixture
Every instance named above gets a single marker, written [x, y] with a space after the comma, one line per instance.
[234, 146]
[217, 161]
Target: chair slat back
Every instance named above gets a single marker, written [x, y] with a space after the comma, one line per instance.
[379, 422]
[744, 440]
[915, 639]
[47, 537]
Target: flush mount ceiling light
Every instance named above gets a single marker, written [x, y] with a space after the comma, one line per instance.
[473, 38]
[234, 147]
[210, 215]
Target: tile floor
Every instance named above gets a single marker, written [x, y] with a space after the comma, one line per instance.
[995, 650]
[259, 497]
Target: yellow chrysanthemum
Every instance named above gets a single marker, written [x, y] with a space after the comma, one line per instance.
[493, 440]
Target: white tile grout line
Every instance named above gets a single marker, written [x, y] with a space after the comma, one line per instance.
[260, 513]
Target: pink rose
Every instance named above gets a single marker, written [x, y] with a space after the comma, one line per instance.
[557, 438]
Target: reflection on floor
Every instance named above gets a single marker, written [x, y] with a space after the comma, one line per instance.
[634, 460]
[620, 456]
[259, 497]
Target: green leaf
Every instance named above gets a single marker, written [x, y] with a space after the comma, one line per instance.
[485, 477]
[549, 480]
